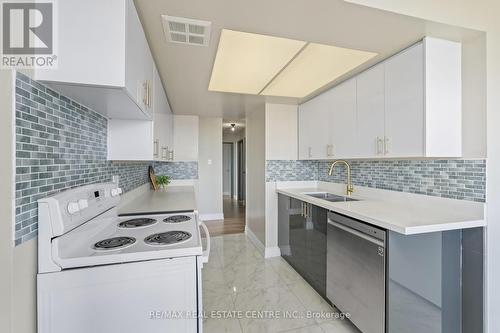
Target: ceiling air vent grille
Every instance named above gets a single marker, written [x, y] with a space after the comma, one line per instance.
[186, 31]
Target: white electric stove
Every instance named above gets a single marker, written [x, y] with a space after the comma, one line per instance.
[100, 272]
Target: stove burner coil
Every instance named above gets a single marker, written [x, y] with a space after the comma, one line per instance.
[168, 238]
[177, 219]
[136, 223]
[114, 243]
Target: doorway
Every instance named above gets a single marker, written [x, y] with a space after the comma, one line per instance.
[233, 180]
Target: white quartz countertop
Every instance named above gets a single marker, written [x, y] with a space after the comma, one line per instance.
[174, 199]
[399, 212]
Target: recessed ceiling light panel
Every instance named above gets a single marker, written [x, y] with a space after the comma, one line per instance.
[316, 66]
[246, 62]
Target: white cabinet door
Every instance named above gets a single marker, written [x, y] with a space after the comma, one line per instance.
[185, 138]
[342, 123]
[162, 144]
[370, 112]
[404, 103]
[130, 140]
[313, 128]
[139, 62]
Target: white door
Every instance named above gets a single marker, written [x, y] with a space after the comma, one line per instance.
[342, 123]
[313, 128]
[227, 154]
[370, 112]
[404, 103]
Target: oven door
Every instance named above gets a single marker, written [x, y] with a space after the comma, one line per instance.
[151, 296]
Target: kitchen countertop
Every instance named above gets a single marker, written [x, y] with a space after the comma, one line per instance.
[174, 199]
[400, 212]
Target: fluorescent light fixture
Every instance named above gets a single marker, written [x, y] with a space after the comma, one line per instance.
[316, 66]
[246, 62]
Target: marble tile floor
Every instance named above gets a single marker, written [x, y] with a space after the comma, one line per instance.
[240, 286]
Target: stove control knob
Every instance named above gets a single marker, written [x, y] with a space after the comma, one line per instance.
[82, 204]
[73, 208]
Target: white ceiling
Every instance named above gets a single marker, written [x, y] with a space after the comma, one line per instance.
[185, 69]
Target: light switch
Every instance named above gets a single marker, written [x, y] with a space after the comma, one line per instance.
[209, 162]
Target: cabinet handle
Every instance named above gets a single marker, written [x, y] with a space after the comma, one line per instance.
[156, 148]
[387, 145]
[309, 149]
[329, 150]
[380, 148]
[150, 94]
[164, 153]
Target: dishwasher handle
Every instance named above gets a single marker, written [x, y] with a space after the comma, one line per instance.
[357, 233]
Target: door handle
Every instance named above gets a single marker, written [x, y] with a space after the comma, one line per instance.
[329, 150]
[357, 233]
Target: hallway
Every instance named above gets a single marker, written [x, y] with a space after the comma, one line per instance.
[234, 218]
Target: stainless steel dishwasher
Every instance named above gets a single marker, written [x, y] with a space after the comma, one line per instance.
[355, 280]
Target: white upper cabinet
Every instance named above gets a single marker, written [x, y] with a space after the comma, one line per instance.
[104, 60]
[342, 120]
[370, 112]
[313, 128]
[186, 138]
[406, 106]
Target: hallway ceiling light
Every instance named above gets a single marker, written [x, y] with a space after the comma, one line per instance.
[316, 66]
[246, 62]
[233, 127]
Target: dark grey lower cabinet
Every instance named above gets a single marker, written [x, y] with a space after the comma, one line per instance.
[302, 239]
[435, 282]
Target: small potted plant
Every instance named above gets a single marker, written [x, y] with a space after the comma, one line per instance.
[163, 181]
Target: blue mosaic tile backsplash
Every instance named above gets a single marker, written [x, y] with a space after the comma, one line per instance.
[456, 179]
[62, 144]
[177, 170]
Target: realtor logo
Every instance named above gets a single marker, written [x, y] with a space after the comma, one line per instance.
[28, 35]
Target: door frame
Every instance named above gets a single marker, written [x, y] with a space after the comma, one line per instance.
[231, 163]
[241, 163]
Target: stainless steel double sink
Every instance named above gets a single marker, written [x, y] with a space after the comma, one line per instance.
[330, 197]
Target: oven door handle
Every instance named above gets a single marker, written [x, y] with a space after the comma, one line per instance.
[206, 253]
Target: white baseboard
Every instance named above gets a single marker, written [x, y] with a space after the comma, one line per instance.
[255, 241]
[211, 217]
[267, 252]
[271, 252]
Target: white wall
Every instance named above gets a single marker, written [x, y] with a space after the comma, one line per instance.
[186, 136]
[281, 132]
[210, 169]
[256, 173]
[6, 214]
[281, 144]
[18, 264]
